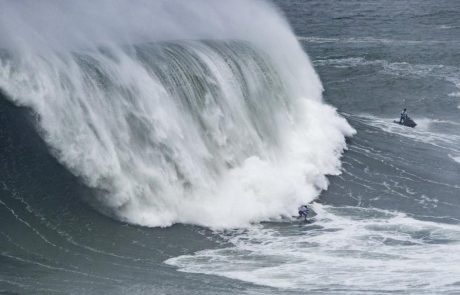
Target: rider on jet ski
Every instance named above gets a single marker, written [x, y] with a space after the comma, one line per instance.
[404, 116]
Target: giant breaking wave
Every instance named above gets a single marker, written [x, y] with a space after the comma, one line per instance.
[198, 112]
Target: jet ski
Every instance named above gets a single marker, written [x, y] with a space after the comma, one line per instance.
[407, 122]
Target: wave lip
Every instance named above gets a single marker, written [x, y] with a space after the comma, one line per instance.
[220, 129]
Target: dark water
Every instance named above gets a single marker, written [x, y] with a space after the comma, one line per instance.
[375, 59]
[388, 224]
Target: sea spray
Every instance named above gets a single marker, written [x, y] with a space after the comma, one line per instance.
[203, 113]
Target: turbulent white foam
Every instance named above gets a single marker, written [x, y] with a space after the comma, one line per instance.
[348, 250]
[175, 111]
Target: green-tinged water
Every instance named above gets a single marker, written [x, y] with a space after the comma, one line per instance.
[224, 135]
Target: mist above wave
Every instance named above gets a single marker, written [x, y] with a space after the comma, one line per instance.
[175, 111]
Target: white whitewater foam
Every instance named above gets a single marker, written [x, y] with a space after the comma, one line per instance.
[346, 249]
[200, 138]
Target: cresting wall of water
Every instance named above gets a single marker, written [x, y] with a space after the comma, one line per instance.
[206, 113]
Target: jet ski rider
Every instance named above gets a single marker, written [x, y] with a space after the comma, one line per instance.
[403, 116]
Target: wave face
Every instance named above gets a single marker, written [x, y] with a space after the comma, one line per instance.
[173, 112]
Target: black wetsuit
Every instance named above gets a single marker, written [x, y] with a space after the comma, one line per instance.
[303, 212]
[403, 117]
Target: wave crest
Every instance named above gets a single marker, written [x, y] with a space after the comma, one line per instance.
[219, 133]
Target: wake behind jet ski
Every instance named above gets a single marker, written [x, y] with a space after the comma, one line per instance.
[405, 120]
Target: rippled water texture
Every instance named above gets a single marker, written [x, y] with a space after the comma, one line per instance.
[388, 223]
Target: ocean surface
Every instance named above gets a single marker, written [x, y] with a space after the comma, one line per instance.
[164, 147]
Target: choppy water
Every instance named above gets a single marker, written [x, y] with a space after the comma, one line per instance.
[388, 224]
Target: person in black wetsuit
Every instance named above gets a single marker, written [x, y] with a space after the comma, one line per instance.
[303, 212]
[403, 116]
